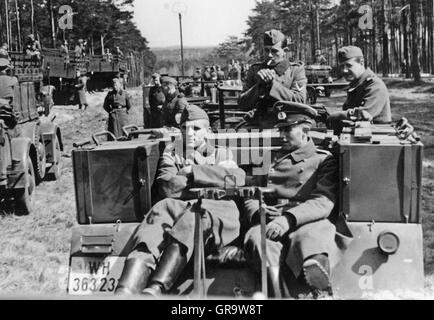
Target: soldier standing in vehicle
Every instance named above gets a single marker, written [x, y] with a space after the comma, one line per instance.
[4, 51]
[117, 103]
[33, 47]
[81, 81]
[319, 58]
[165, 235]
[174, 102]
[220, 74]
[304, 181]
[275, 79]
[367, 96]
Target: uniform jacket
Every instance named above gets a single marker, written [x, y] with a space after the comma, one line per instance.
[170, 108]
[172, 212]
[289, 85]
[306, 177]
[81, 89]
[369, 93]
[117, 100]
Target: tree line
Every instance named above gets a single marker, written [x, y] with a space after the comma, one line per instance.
[103, 23]
[395, 35]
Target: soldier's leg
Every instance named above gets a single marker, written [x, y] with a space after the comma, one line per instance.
[149, 241]
[252, 246]
[169, 268]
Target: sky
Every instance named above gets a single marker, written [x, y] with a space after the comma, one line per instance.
[204, 22]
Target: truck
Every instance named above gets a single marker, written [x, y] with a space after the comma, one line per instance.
[31, 146]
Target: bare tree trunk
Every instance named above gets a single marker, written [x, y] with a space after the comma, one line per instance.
[406, 44]
[17, 16]
[385, 41]
[32, 17]
[415, 67]
[53, 32]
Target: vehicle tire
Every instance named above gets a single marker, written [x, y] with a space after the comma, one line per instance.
[24, 197]
[56, 169]
[40, 158]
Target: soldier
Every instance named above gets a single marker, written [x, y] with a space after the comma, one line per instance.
[207, 77]
[156, 101]
[33, 47]
[220, 74]
[305, 184]
[65, 51]
[79, 48]
[367, 97]
[168, 225]
[319, 58]
[117, 103]
[197, 76]
[174, 102]
[80, 86]
[119, 52]
[274, 80]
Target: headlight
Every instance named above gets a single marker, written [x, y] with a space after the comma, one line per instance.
[388, 242]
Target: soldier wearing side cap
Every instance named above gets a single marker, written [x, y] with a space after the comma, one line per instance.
[117, 104]
[367, 97]
[174, 102]
[299, 231]
[275, 79]
[166, 234]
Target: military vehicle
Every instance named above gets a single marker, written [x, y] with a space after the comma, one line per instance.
[103, 69]
[379, 195]
[320, 82]
[31, 145]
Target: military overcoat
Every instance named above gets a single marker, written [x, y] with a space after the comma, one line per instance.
[305, 184]
[117, 105]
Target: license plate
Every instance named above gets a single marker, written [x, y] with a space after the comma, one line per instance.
[93, 275]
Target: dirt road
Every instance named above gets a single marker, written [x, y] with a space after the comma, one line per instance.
[34, 250]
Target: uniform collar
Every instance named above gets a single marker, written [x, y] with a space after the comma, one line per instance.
[304, 152]
[281, 67]
[356, 83]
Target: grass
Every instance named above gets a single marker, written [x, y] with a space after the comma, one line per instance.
[34, 250]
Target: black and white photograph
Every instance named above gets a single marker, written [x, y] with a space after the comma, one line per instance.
[204, 150]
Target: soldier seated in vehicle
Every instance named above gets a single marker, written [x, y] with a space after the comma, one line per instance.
[275, 79]
[4, 51]
[164, 241]
[319, 58]
[367, 97]
[304, 180]
[33, 47]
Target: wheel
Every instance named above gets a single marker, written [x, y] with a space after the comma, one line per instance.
[56, 169]
[41, 159]
[24, 197]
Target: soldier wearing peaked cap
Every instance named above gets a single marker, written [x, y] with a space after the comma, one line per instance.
[299, 231]
[166, 234]
[275, 79]
[173, 104]
[367, 96]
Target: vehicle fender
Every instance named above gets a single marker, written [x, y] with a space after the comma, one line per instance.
[21, 147]
[49, 131]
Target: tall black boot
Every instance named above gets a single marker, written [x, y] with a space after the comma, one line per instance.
[171, 265]
[135, 274]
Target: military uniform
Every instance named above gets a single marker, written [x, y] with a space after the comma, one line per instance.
[81, 91]
[117, 105]
[172, 210]
[320, 59]
[289, 85]
[305, 188]
[174, 104]
[367, 94]
[167, 232]
[156, 101]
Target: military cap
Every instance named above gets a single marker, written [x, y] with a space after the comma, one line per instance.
[192, 112]
[155, 75]
[292, 113]
[4, 62]
[348, 52]
[167, 79]
[273, 37]
[80, 40]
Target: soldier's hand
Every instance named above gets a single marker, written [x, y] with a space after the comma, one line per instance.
[266, 75]
[186, 171]
[277, 228]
